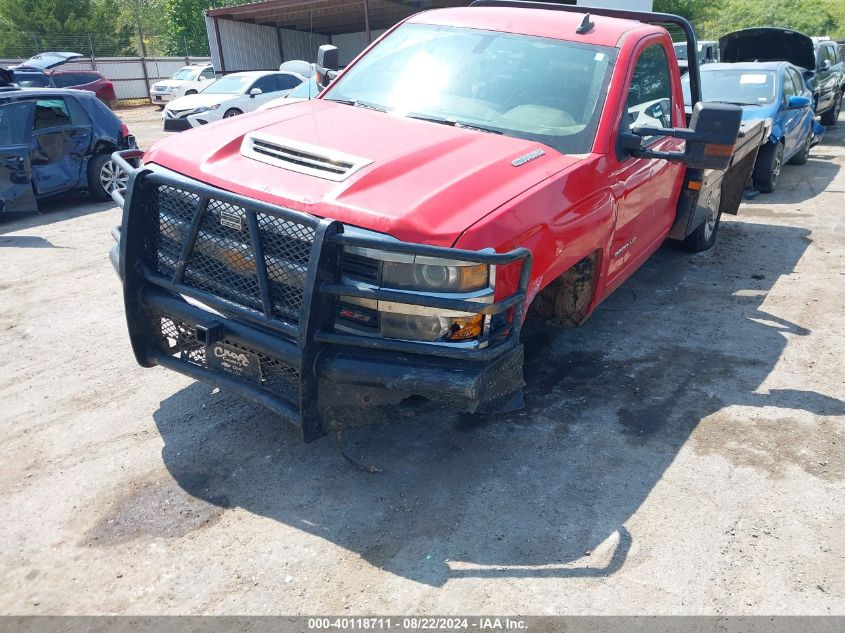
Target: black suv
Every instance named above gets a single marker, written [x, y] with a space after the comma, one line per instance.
[828, 81]
[55, 141]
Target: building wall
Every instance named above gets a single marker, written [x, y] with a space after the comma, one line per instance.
[249, 46]
[350, 44]
[245, 46]
[127, 73]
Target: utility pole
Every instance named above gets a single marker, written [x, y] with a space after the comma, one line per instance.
[143, 44]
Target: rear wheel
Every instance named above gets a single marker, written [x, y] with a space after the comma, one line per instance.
[804, 153]
[832, 116]
[704, 237]
[767, 168]
[231, 112]
[105, 176]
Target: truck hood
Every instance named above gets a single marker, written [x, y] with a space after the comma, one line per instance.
[767, 44]
[417, 181]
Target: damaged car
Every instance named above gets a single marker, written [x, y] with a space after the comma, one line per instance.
[55, 141]
[821, 65]
[773, 92]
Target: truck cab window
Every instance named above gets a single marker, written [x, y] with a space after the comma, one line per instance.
[650, 93]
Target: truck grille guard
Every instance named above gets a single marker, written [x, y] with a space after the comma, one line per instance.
[275, 291]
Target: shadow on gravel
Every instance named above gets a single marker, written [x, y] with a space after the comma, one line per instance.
[545, 492]
[52, 210]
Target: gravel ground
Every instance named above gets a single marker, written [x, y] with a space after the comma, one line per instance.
[681, 453]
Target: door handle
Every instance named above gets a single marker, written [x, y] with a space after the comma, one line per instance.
[13, 161]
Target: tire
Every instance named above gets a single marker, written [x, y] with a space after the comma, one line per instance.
[767, 168]
[832, 116]
[104, 176]
[704, 237]
[804, 153]
[231, 112]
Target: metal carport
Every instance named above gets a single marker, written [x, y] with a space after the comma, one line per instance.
[262, 35]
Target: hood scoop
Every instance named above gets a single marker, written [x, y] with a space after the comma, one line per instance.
[301, 157]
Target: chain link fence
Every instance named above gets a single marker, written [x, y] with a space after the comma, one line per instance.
[17, 45]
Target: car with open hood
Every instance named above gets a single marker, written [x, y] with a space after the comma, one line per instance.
[772, 92]
[823, 75]
[188, 80]
[229, 96]
[43, 70]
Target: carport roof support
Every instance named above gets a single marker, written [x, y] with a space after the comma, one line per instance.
[329, 17]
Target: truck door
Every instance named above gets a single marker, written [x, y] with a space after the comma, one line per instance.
[647, 188]
[61, 142]
[16, 193]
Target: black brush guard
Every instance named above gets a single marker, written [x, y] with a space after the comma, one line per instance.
[280, 309]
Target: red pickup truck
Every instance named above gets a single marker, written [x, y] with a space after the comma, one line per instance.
[332, 257]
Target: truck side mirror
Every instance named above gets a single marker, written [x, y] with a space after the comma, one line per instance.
[825, 66]
[710, 138]
[327, 63]
[255, 92]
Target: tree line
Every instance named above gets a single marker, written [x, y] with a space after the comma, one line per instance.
[176, 27]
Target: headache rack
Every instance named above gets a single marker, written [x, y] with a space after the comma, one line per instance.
[271, 277]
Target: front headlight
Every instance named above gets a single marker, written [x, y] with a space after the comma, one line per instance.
[202, 109]
[419, 327]
[416, 274]
[430, 275]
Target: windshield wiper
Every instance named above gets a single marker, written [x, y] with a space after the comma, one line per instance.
[452, 123]
[359, 104]
[739, 103]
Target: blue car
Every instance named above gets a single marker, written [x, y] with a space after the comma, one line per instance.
[776, 93]
[55, 141]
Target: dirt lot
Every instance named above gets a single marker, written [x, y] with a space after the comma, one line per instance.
[680, 453]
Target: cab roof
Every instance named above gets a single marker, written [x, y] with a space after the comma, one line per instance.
[559, 25]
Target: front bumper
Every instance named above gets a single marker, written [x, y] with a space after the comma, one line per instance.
[298, 365]
[161, 98]
[176, 125]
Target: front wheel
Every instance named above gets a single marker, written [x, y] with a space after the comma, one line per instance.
[105, 176]
[767, 168]
[231, 112]
[832, 116]
[704, 237]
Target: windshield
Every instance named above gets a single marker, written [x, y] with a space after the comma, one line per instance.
[230, 85]
[680, 51]
[528, 87]
[744, 87]
[305, 90]
[186, 74]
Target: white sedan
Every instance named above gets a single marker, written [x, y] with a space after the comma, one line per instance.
[188, 80]
[306, 90]
[228, 96]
